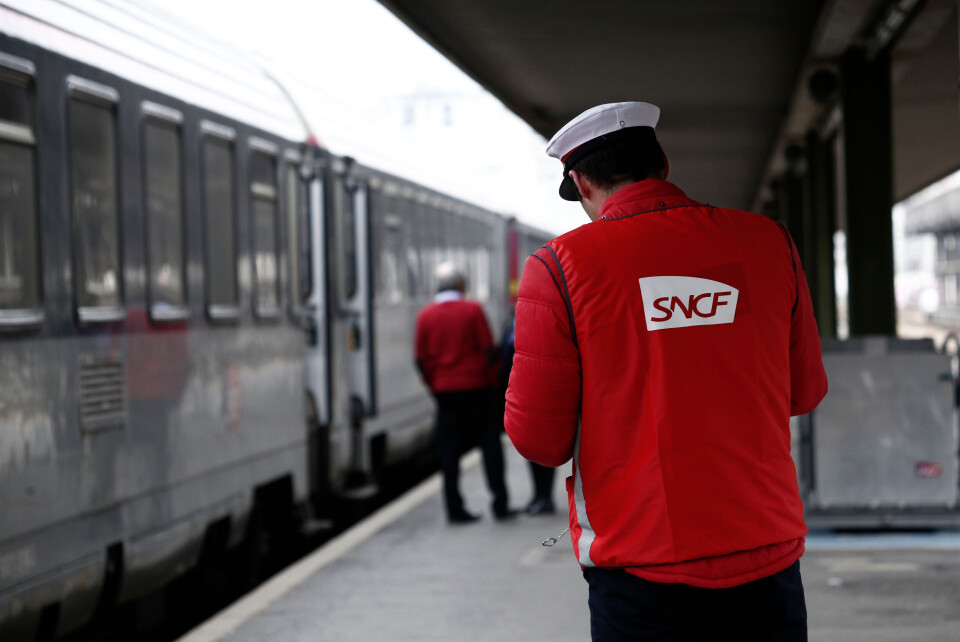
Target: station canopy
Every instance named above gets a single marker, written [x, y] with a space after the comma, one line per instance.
[730, 76]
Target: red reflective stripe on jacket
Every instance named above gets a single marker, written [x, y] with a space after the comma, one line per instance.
[453, 346]
[684, 403]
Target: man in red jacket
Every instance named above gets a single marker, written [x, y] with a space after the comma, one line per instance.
[663, 347]
[458, 361]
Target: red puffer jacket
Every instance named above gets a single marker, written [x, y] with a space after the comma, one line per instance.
[664, 347]
[454, 347]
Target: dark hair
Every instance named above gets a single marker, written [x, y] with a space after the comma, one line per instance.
[633, 157]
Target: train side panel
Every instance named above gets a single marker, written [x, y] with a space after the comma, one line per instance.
[132, 420]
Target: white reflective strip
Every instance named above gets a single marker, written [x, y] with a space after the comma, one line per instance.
[586, 531]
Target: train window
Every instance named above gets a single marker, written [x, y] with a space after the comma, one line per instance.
[94, 191]
[484, 263]
[388, 247]
[434, 245]
[346, 216]
[263, 193]
[19, 256]
[427, 245]
[16, 94]
[411, 242]
[220, 221]
[298, 226]
[376, 202]
[163, 188]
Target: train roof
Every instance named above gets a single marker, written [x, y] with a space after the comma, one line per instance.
[145, 45]
[140, 41]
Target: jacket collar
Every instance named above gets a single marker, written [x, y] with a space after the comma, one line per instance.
[445, 296]
[648, 195]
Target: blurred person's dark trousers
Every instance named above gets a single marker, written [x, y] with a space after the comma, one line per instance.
[542, 482]
[466, 418]
[627, 607]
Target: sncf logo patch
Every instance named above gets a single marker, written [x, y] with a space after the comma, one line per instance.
[683, 301]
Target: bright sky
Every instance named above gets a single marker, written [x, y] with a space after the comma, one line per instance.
[364, 65]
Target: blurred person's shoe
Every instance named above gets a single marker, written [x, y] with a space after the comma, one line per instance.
[504, 514]
[463, 518]
[540, 507]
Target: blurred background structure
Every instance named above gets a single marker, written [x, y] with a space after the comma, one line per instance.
[755, 98]
[837, 118]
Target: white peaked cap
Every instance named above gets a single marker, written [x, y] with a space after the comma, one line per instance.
[593, 129]
[599, 121]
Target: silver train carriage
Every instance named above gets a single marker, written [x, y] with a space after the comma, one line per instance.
[151, 387]
[205, 323]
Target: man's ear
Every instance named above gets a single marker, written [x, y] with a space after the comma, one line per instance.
[583, 184]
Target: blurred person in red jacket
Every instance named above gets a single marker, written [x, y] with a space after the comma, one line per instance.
[458, 361]
[663, 346]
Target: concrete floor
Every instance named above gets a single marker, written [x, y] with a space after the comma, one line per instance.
[410, 576]
[883, 595]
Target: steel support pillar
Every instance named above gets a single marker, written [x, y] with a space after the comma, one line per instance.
[868, 152]
[822, 215]
[792, 213]
[771, 209]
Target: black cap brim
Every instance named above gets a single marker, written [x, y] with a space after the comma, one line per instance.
[568, 190]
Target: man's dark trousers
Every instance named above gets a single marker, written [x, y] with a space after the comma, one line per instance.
[466, 417]
[626, 607]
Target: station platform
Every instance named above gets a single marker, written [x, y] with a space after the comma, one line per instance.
[405, 574]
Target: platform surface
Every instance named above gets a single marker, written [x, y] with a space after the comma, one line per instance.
[405, 574]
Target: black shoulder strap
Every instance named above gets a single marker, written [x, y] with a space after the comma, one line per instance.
[564, 291]
[796, 281]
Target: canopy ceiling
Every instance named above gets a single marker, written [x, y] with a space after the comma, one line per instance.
[729, 76]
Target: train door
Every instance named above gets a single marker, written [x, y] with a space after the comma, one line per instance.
[352, 327]
[310, 274]
[353, 216]
[315, 303]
